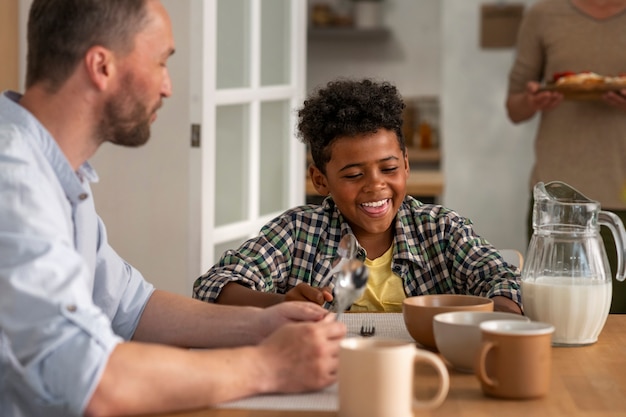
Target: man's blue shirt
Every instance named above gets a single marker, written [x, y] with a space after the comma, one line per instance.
[66, 298]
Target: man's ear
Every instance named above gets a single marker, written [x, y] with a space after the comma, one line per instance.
[319, 180]
[100, 66]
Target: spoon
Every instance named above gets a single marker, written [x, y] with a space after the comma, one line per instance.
[347, 247]
[350, 284]
[346, 252]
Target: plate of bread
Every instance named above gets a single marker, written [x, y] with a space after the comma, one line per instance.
[584, 85]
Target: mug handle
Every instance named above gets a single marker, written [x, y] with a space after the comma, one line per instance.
[481, 370]
[432, 359]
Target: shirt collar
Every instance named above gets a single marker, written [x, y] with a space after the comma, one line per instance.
[406, 239]
[336, 222]
[73, 182]
[404, 233]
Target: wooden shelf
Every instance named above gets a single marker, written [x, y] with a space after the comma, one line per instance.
[430, 155]
[425, 181]
[421, 183]
[348, 33]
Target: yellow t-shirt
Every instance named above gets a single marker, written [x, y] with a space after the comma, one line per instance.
[384, 290]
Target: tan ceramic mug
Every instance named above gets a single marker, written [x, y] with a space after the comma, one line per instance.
[515, 358]
[377, 376]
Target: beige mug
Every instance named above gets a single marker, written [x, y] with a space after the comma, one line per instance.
[377, 377]
[515, 358]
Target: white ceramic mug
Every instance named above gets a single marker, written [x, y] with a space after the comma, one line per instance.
[377, 376]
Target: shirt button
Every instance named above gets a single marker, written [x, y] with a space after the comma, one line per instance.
[83, 196]
[71, 308]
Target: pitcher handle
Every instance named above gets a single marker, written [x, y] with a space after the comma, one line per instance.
[614, 223]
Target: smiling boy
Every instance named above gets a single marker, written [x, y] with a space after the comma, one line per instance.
[354, 131]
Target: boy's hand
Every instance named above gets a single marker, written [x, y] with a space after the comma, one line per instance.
[507, 305]
[304, 292]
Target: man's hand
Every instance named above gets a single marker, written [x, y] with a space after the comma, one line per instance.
[276, 316]
[304, 292]
[302, 356]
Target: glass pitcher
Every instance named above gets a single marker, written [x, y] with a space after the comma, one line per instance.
[566, 275]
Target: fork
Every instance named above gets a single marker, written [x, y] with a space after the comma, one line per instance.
[367, 328]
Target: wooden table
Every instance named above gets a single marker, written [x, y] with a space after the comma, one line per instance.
[586, 381]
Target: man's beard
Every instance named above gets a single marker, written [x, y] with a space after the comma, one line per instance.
[126, 121]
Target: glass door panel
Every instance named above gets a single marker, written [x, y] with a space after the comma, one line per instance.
[274, 178]
[233, 44]
[275, 42]
[224, 246]
[232, 163]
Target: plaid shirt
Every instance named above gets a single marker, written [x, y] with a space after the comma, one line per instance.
[435, 251]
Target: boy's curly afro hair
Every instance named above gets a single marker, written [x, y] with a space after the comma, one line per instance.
[347, 108]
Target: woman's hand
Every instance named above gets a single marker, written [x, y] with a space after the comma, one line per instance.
[616, 99]
[541, 101]
[524, 105]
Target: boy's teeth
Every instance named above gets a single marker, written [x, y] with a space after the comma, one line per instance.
[375, 203]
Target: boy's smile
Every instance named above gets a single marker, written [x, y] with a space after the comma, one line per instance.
[366, 176]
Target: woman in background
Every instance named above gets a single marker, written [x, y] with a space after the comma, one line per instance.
[580, 142]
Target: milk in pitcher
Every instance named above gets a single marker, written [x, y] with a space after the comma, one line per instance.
[576, 307]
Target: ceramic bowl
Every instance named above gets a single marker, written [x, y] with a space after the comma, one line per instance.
[418, 312]
[458, 338]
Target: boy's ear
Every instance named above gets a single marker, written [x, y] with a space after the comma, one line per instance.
[319, 180]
